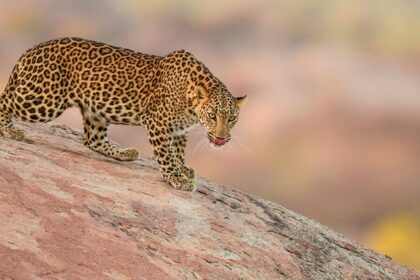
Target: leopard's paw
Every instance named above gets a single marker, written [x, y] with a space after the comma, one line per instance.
[187, 172]
[129, 154]
[180, 182]
[13, 133]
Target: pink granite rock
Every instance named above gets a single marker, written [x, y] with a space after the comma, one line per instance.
[68, 213]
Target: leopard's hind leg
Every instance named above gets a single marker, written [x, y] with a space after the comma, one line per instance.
[95, 137]
[7, 129]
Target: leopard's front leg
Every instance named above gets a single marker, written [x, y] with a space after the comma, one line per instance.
[179, 142]
[160, 139]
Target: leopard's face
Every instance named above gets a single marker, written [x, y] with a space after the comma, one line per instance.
[218, 114]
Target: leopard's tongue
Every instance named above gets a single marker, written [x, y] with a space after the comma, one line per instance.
[219, 141]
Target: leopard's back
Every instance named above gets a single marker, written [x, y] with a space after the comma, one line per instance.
[57, 74]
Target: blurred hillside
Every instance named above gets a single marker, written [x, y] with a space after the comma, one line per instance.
[332, 127]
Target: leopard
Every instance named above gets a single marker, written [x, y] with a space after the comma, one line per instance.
[167, 95]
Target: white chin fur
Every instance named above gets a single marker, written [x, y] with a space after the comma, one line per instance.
[216, 147]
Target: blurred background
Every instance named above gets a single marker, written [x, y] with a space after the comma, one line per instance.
[332, 125]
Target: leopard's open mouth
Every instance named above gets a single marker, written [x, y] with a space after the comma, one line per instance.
[217, 141]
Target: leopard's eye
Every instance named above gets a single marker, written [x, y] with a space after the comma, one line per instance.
[231, 118]
[212, 116]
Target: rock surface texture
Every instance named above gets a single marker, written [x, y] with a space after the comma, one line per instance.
[69, 213]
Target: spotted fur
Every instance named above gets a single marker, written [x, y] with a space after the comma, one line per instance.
[111, 85]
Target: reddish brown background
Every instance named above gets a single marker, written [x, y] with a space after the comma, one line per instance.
[332, 127]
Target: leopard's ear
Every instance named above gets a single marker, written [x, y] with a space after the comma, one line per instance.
[241, 101]
[201, 94]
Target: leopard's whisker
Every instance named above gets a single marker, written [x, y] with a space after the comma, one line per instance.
[241, 145]
[228, 147]
[198, 132]
[199, 144]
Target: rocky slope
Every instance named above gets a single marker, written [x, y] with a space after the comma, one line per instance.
[69, 213]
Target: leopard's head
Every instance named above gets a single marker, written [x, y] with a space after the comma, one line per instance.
[218, 112]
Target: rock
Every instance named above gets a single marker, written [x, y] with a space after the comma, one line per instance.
[69, 213]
